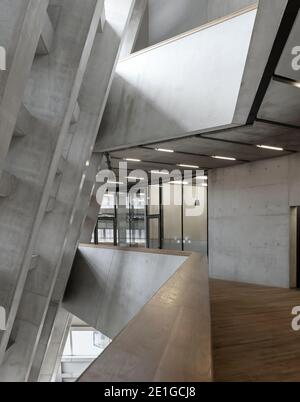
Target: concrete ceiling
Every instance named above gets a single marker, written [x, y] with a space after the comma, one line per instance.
[239, 143]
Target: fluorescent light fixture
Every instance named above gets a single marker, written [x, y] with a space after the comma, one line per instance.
[108, 195]
[158, 172]
[201, 178]
[179, 182]
[188, 166]
[132, 160]
[270, 147]
[170, 151]
[135, 178]
[204, 185]
[225, 158]
[115, 182]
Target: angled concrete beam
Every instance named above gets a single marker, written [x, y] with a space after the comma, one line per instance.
[46, 39]
[48, 356]
[92, 100]
[289, 64]
[35, 160]
[52, 242]
[269, 16]
[50, 346]
[134, 27]
[20, 29]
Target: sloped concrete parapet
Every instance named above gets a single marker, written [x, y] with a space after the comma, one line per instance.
[170, 337]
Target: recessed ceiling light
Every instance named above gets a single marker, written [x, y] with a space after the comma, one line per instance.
[132, 160]
[170, 151]
[225, 158]
[188, 166]
[159, 172]
[114, 182]
[270, 147]
[135, 178]
[179, 182]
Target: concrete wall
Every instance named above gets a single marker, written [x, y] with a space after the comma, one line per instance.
[168, 18]
[249, 220]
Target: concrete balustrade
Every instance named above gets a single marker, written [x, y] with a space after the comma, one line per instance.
[130, 294]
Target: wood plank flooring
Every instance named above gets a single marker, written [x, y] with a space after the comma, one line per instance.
[252, 335]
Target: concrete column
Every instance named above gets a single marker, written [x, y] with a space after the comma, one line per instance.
[45, 364]
[48, 357]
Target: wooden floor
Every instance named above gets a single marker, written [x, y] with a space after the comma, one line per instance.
[252, 335]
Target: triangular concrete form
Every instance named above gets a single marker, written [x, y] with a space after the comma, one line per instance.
[108, 286]
[169, 339]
